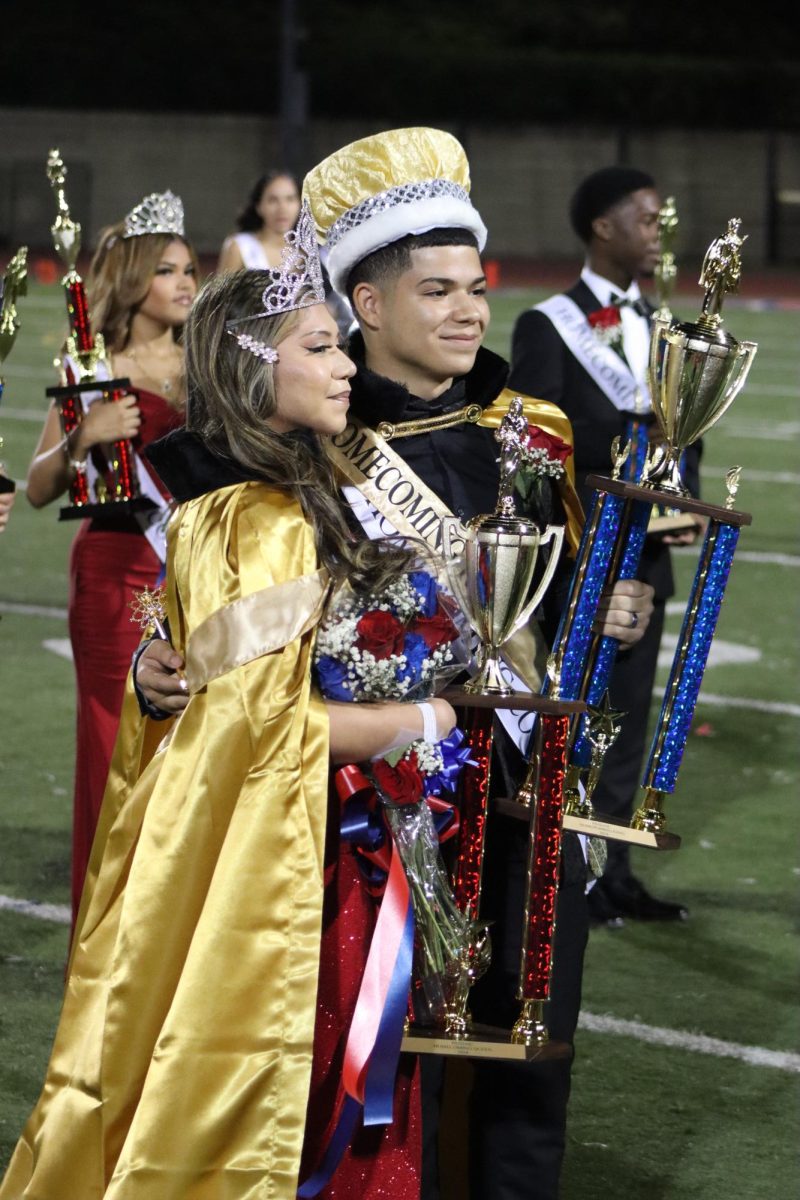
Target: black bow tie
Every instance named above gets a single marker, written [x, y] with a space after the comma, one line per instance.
[638, 306]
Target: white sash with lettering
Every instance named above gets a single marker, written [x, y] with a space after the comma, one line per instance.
[154, 521]
[610, 372]
[388, 499]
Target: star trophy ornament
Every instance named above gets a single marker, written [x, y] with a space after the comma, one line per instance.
[494, 579]
[107, 481]
[13, 284]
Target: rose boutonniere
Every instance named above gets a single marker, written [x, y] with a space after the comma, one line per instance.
[542, 457]
[607, 325]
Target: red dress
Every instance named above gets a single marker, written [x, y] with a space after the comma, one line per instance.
[382, 1162]
[109, 560]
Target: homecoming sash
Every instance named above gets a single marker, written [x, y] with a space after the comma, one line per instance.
[610, 372]
[154, 521]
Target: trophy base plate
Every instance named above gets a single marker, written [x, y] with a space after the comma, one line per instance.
[483, 1041]
[611, 828]
[110, 509]
[660, 525]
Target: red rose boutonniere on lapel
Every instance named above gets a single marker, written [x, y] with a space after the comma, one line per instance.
[607, 325]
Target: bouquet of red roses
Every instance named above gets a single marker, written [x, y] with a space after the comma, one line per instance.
[395, 646]
[400, 645]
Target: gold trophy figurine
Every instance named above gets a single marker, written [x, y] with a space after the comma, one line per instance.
[696, 369]
[666, 272]
[500, 554]
[12, 285]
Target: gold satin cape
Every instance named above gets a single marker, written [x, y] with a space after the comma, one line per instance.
[182, 1060]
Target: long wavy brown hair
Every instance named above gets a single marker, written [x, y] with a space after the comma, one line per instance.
[231, 396]
[119, 279]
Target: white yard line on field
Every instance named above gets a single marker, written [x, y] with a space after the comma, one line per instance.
[750, 476]
[750, 705]
[33, 610]
[695, 1043]
[770, 431]
[23, 414]
[59, 913]
[749, 556]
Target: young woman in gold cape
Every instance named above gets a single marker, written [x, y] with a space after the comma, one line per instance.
[182, 1060]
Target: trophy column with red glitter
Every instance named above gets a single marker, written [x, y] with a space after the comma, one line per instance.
[108, 481]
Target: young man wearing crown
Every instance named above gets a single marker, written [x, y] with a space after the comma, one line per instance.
[403, 242]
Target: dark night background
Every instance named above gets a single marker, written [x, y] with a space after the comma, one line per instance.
[735, 65]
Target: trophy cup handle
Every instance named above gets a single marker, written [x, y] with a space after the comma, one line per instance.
[453, 541]
[554, 534]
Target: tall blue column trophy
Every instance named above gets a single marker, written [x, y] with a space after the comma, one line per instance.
[696, 371]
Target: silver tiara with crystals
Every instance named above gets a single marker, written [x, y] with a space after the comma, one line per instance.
[296, 283]
[160, 212]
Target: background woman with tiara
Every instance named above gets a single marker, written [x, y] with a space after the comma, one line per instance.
[202, 958]
[141, 283]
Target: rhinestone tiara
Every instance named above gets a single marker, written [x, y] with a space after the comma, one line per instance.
[404, 193]
[160, 212]
[297, 282]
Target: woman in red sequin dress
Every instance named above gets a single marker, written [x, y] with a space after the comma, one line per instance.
[140, 284]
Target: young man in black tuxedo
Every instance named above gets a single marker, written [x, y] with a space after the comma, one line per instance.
[587, 352]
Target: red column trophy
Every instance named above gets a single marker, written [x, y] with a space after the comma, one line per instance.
[108, 481]
[12, 284]
[493, 587]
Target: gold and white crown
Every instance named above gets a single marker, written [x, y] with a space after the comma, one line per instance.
[160, 212]
[385, 187]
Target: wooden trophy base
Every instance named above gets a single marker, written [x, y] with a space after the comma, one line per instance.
[611, 828]
[483, 1041]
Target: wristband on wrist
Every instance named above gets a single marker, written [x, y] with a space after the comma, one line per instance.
[76, 464]
[429, 726]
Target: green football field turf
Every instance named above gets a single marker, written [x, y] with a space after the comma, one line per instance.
[648, 1121]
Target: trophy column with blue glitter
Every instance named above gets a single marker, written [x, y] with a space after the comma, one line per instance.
[696, 371]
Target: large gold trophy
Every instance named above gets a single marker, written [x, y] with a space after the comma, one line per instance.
[696, 369]
[492, 566]
[500, 552]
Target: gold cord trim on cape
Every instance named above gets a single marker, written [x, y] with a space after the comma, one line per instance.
[471, 413]
[255, 625]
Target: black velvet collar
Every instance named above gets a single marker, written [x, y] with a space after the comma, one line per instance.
[374, 398]
[188, 468]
